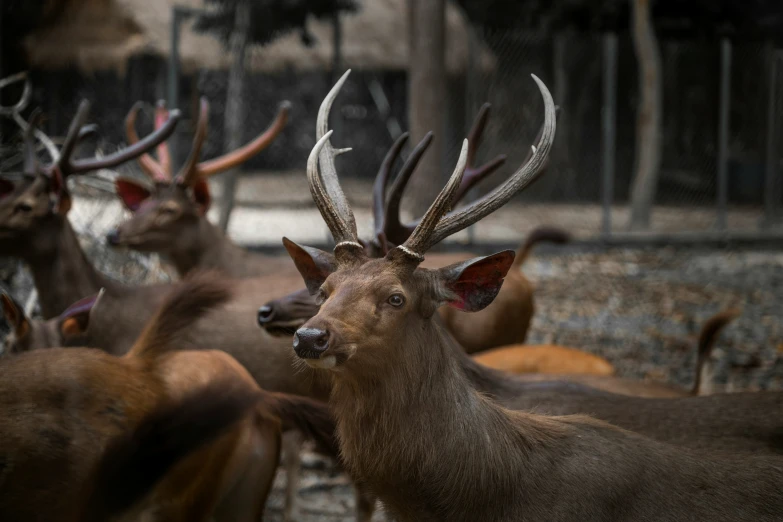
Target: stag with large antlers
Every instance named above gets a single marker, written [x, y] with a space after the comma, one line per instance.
[414, 426]
[505, 321]
[170, 218]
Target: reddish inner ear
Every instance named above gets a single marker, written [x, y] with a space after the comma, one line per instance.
[131, 193]
[201, 196]
[477, 283]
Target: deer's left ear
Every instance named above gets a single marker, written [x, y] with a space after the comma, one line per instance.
[201, 196]
[472, 285]
[75, 320]
[314, 265]
[14, 314]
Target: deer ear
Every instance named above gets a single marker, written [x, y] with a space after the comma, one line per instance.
[15, 316]
[201, 196]
[59, 188]
[131, 193]
[314, 265]
[472, 285]
[75, 320]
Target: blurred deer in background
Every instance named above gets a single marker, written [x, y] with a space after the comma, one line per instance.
[431, 444]
[505, 321]
[61, 406]
[171, 217]
[33, 213]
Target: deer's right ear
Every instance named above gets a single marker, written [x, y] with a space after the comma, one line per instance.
[314, 265]
[473, 284]
[131, 193]
[15, 316]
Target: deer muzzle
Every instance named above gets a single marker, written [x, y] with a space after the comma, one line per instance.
[311, 343]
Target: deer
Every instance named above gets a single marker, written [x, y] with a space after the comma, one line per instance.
[33, 214]
[433, 446]
[504, 322]
[171, 217]
[61, 407]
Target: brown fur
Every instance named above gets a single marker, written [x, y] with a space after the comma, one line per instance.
[545, 358]
[416, 425]
[61, 406]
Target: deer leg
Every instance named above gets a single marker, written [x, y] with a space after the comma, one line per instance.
[292, 445]
[365, 503]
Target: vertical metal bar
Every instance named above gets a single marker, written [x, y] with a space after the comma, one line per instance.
[173, 82]
[337, 65]
[770, 170]
[723, 131]
[471, 71]
[608, 127]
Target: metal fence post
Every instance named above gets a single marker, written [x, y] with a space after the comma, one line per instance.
[771, 193]
[723, 131]
[608, 127]
[178, 15]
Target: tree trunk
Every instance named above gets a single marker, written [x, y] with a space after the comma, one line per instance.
[234, 116]
[649, 116]
[427, 96]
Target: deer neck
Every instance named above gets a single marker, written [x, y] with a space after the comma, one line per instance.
[420, 432]
[61, 271]
[208, 248]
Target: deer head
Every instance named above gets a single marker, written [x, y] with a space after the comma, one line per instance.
[370, 307]
[42, 193]
[68, 329]
[170, 210]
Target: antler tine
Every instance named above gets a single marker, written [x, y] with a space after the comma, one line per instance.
[395, 230]
[379, 188]
[72, 138]
[23, 100]
[529, 171]
[189, 173]
[241, 155]
[326, 161]
[164, 157]
[151, 168]
[30, 159]
[331, 214]
[421, 239]
[132, 151]
[473, 175]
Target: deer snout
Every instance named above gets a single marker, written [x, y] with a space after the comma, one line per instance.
[311, 343]
[113, 237]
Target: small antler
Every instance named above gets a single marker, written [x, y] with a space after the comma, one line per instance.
[325, 187]
[148, 164]
[21, 105]
[241, 155]
[396, 231]
[434, 227]
[188, 175]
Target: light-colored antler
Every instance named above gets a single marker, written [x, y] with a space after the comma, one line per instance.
[454, 222]
[325, 187]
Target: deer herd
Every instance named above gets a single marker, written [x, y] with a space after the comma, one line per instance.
[175, 401]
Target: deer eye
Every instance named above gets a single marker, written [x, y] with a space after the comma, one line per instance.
[320, 297]
[396, 300]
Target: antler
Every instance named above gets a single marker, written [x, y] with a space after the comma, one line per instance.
[379, 190]
[21, 105]
[241, 155]
[325, 187]
[434, 227]
[395, 230]
[152, 168]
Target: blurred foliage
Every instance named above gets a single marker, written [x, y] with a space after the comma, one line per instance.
[270, 19]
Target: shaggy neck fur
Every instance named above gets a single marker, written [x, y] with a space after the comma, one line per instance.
[417, 432]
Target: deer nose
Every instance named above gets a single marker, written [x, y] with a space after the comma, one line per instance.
[310, 343]
[113, 237]
[266, 314]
